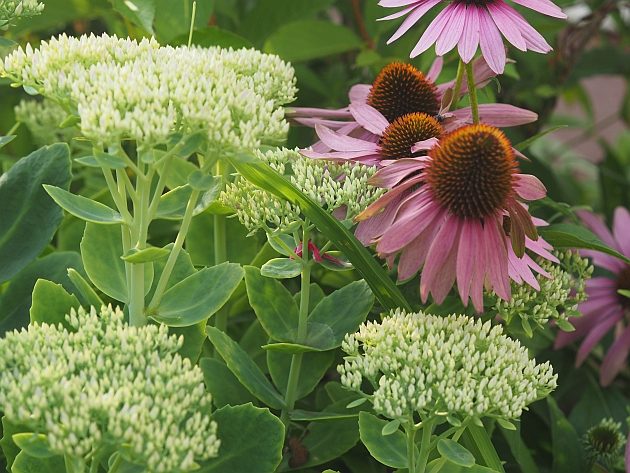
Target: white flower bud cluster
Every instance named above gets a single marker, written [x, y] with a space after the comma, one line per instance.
[453, 365]
[11, 10]
[342, 188]
[124, 89]
[557, 299]
[43, 119]
[105, 384]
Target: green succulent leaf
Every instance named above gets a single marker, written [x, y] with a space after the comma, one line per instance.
[281, 268]
[390, 450]
[82, 207]
[455, 453]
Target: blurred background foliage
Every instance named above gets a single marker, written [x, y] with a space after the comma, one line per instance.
[580, 92]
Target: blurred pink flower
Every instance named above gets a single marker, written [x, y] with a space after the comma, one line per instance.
[457, 214]
[468, 24]
[605, 309]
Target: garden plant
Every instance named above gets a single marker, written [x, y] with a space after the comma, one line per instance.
[257, 236]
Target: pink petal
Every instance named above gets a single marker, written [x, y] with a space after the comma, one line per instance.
[340, 155]
[497, 114]
[432, 32]
[506, 26]
[434, 271]
[606, 322]
[452, 30]
[529, 187]
[407, 227]
[311, 122]
[398, 14]
[435, 69]
[497, 259]
[413, 18]
[413, 255]
[359, 93]
[491, 43]
[369, 118]
[466, 256]
[368, 230]
[310, 112]
[343, 143]
[601, 282]
[533, 39]
[397, 3]
[596, 224]
[621, 229]
[542, 6]
[391, 175]
[424, 145]
[470, 36]
[615, 359]
[381, 202]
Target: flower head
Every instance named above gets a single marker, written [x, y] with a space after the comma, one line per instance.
[12, 10]
[604, 443]
[457, 213]
[553, 295]
[107, 386]
[428, 364]
[607, 309]
[43, 119]
[472, 24]
[341, 189]
[124, 89]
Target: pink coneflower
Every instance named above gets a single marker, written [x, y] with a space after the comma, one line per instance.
[468, 24]
[398, 89]
[605, 309]
[457, 214]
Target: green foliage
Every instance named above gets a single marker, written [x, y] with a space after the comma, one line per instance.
[390, 450]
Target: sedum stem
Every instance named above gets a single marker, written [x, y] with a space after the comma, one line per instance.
[425, 446]
[296, 359]
[220, 243]
[472, 93]
[410, 430]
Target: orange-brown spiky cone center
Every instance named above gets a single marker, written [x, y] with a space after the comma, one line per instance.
[404, 132]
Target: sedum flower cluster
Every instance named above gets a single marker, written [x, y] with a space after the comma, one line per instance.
[558, 298]
[139, 90]
[11, 10]
[339, 188]
[43, 119]
[104, 385]
[432, 364]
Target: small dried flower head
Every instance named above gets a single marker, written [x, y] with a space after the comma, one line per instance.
[429, 364]
[561, 287]
[104, 384]
[139, 90]
[339, 188]
[604, 442]
[43, 119]
[12, 10]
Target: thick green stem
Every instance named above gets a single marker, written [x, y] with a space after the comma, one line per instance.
[457, 89]
[425, 446]
[296, 359]
[410, 430]
[177, 247]
[472, 92]
[220, 244]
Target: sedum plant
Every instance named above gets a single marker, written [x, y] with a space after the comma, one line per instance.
[420, 370]
[12, 10]
[98, 391]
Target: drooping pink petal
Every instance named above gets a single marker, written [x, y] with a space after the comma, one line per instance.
[397, 3]
[466, 256]
[506, 26]
[479, 270]
[369, 230]
[435, 69]
[389, 176]
[594, 305]
[398, 14]
[383, 201]
[583, 326]
[452, 31]
[596, 224]
[408, 227]
[469, 41]
[491, 43]
[542, 248]
[369, 118]
[361, 156]
[443, 245]
[533, 39]
[601, 282]
[419, 11]
[310, 112]
[615, 359]
[497, 114]
[607, 320]
[413, 255]
[359, 93]
[529, 187]
[543, 6]
[424, 145]
[497, 258]
[432, 32]
[604, 261]
[343, 143]
[621, 229]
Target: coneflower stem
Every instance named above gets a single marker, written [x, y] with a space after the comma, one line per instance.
[472, 93]
[457, 89]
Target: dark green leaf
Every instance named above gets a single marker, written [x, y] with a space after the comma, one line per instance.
[198, 296]
[139, 12]
[455, 453]
[567, 448]
[172, 205]
[35, 445]
[251, 441]
[28, 216]
[51, 302]
[520, 451]
[82, 207]
[304, 40]
[567, 235]
[224, 386]
[314, 367]
[203, 182]
[9, 448]
[328, 440]
[478, 437]
[300, 415]
[245, 369]
[25, 463]
[390, 450]
[103, 160]
[263, 176]
[86, 294]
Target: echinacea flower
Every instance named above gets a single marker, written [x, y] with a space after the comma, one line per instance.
[606, 309]
[458, 214]
[471, 24]
[400, 89]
